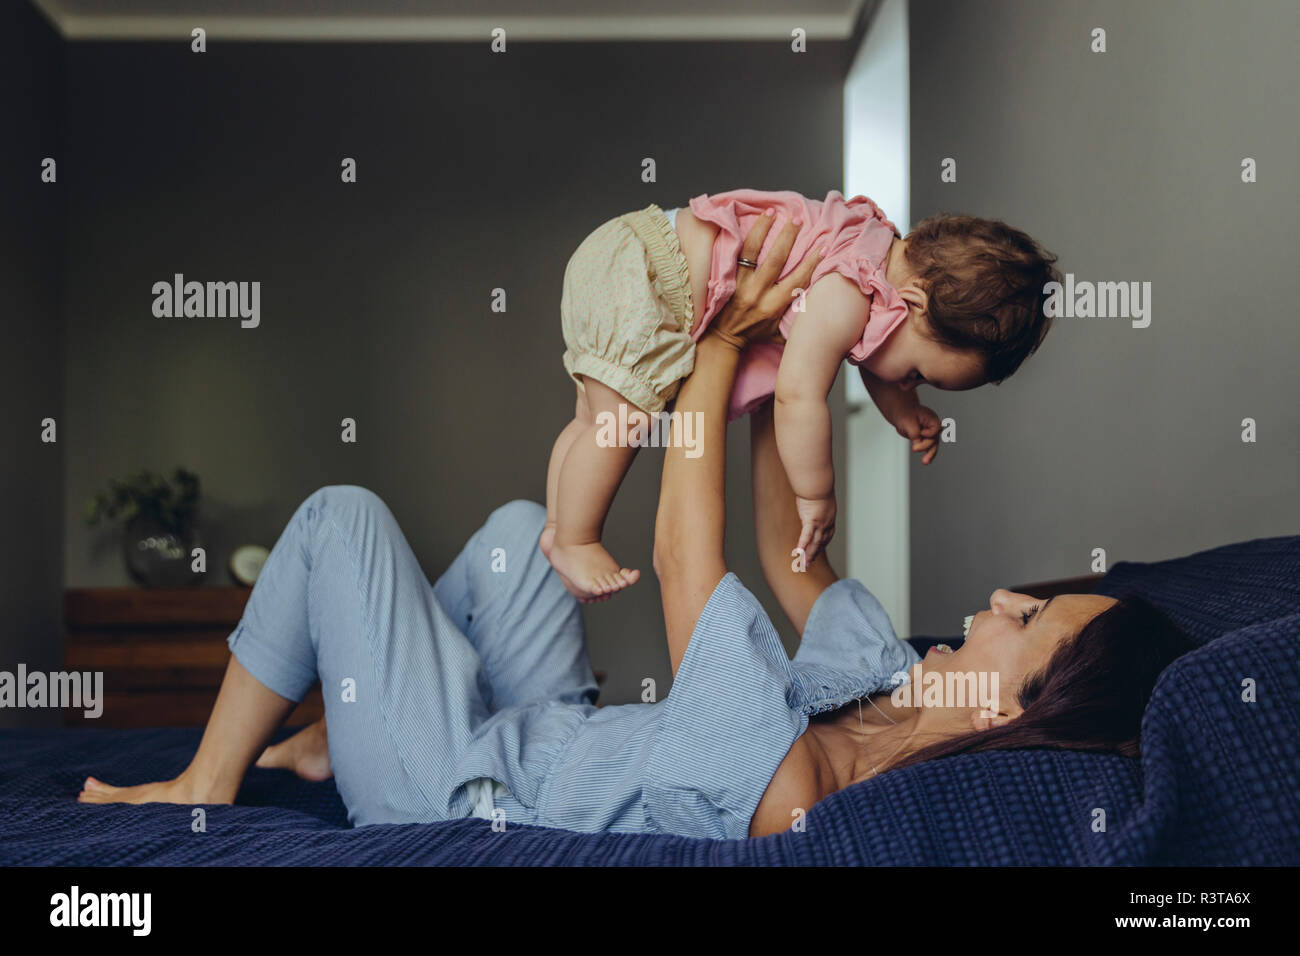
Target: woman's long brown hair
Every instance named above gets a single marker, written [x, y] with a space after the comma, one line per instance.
[1090, 695]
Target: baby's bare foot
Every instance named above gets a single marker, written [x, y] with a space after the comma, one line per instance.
[545, 543]
[179, 790]
[589, 572]
[306, 753]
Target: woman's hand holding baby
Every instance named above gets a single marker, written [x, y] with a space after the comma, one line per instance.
[753, 315]
[754, 311]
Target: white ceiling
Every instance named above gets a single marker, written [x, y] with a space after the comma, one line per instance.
[451, 20]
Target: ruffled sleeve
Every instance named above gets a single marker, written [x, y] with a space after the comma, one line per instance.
[848, 649]
[862, 262]
[888, 309]
[726, 724]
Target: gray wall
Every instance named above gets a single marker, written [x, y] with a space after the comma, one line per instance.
[31, 366]
[475, 171]
[1127, 165]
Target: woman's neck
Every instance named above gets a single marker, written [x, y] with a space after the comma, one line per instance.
[859, 746]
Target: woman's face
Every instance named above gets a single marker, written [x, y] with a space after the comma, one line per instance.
[1016, 637]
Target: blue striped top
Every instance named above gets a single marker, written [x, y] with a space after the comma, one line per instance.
[698, 762]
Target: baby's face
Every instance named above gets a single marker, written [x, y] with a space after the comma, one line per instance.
[910, 358]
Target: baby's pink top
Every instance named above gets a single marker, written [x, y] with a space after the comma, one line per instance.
[857, 237]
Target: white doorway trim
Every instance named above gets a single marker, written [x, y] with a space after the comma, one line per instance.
[876, 165]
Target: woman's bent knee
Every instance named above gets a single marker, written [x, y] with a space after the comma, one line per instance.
[519, 514]
[347, 497]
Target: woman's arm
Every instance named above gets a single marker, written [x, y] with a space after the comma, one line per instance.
[690, 523]
[776, 525]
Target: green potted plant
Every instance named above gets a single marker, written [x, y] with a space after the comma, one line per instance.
[160, 527]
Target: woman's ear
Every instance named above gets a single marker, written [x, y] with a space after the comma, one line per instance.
[984, 720]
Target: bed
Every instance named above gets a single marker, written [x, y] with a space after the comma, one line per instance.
[1218, 781]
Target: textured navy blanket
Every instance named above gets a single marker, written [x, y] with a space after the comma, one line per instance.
[1218, 780]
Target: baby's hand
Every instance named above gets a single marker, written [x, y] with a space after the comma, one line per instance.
[923, 431]
[914, 421]
[817, 516]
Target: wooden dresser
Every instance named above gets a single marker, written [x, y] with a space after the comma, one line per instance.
[162, 650]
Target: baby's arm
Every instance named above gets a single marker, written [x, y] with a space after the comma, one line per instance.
[902, 408]
[836, 314]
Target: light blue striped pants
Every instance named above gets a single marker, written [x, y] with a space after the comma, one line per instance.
[408, 670]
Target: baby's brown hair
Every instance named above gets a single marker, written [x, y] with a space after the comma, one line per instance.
[985, 282]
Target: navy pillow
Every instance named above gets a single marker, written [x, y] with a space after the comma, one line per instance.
[1213, 592]
[1207, 594]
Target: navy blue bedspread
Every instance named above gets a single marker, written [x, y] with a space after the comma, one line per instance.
[1218, 781]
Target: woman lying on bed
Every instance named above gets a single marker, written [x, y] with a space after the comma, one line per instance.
[475, 696]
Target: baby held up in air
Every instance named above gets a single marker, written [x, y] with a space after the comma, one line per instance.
[956, 304]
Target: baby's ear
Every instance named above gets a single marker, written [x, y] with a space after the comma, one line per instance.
[915, 297]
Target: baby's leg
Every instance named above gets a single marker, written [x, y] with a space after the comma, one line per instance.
[589, 476]
[581, 418]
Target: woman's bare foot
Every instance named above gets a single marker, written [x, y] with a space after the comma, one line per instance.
[179, 790]
[306, 753]
[589, 571]
[243, 718]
